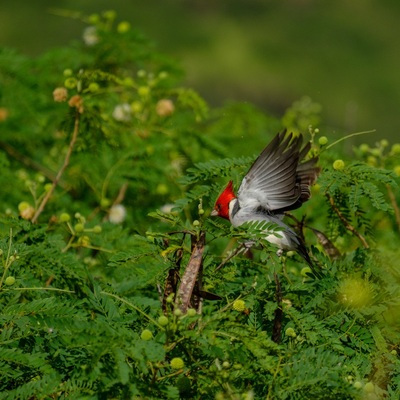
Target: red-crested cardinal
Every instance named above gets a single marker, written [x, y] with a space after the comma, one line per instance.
[278, 181]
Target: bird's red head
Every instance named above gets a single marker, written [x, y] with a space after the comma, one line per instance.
[221, 208]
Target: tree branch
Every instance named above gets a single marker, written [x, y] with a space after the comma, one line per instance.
[192, 272]
[62, 169]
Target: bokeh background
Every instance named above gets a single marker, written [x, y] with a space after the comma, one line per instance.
[343, 54]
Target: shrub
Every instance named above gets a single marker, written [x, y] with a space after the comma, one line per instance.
[115, 282]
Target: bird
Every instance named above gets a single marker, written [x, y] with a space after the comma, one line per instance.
[278, 181]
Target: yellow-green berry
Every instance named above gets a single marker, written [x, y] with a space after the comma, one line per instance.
[191, 312]
[136, 107]
[239, 305]
[10, 280]
[163, 320]
[104, 202]
[84, 241]
[371, 160]
[97, 229]
[79, 227]
[23, 206]
[369, 387]
[376, 152]
[109, 14]
[94, 18]
[397, 170]
[226, 364]
[357, 384]
[384, 143]
[393, 352]
[323, 140]
[146, 335]
[143, 91]
[196, 222]
[170, 298]
[177, 363]
[338, 165]
[67, 72]
[290, 332]
[94, 87]
[201, 211]
[396, 148]
[177, 312]
[65, 217]
[162, 189]
[70, 83]
[123, 26]
[364, 148]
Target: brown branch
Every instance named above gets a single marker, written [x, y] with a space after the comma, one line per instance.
[346, 223]
[62, 169]
[192, 271]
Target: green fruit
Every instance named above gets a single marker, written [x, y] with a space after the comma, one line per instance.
[364, 148]
[196, 222]
[239, 305]
[163, 320]
[97, 229]
[177, 312]
[146, 335]
[369, 387]
[123, 27]
[338, 165]
[94, 87]
[357, 384]
[79, 227]
[10, 280]
[177, 363]
[290, 332]
[143, 91]
[24, 205]
[70, 83]
[226, 364]
[191, 312]
[323, 140]
[396, 148]
[65, 217]
[162, 189]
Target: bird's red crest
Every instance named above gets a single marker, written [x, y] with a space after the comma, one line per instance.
[222, 204]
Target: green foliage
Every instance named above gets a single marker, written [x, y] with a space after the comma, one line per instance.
[107, 187]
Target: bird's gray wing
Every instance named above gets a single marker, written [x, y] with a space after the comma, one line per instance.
[274, 181]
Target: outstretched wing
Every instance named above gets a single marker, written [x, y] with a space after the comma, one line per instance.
[278, 181]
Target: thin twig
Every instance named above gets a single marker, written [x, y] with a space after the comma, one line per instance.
[62, 169]
[346, 223]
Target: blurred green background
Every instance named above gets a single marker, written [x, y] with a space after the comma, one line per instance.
[343, 54]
